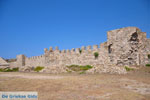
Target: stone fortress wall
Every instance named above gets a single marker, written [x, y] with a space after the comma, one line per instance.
[125, 46]
[77, 56]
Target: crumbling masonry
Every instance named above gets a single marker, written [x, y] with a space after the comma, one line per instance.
[125, 46]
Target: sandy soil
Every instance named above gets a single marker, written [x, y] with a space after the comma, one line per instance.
[133, 86]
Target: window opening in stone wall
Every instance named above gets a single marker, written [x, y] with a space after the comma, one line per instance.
[134, 37]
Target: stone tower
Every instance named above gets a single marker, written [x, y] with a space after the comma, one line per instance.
[127, 46]
[20, 60]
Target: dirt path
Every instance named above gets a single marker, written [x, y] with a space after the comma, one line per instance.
[28, 76]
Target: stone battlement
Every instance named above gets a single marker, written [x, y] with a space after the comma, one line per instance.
[76, 50]
[35, 57]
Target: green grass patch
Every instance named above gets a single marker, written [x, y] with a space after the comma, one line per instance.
[83, 72]
[9, 69]
[69, 71]
[128, 68]
[147, 65]
[38, 68]
[1, 70]
[15, 69]
[78, 68]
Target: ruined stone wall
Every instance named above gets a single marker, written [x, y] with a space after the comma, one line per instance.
[144, 51]
[78, 56]
[35, 61]
[13, 64]
[125, 46]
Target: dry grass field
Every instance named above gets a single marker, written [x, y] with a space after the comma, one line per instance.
[132, 86]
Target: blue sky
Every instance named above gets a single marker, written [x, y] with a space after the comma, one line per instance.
[29, 26]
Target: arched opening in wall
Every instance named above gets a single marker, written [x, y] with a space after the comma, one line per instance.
[134, 37]
[110, 48]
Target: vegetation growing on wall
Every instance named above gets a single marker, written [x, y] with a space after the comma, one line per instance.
[38, 68]
[96, 54]
[80, 51]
